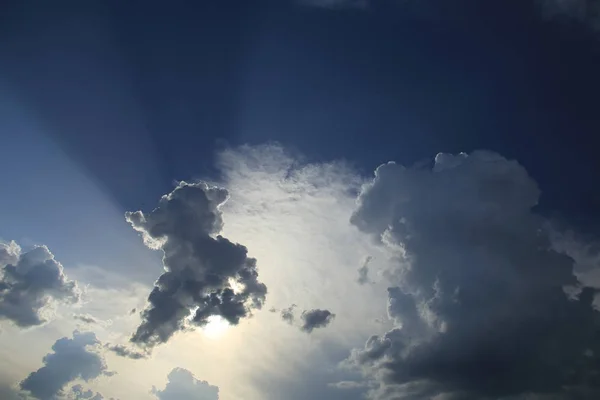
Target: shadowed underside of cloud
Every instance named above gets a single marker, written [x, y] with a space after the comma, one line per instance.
[477, 291]
[182, 385]
[205, 274]
[72, 358]
[30, 283]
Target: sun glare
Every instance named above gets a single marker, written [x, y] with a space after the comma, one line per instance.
[216, 327]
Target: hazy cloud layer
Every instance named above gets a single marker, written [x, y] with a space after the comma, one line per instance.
[30, 283]
[205, 274]
[477, 292]
[182, 385]
[316, 318]
[72, 358]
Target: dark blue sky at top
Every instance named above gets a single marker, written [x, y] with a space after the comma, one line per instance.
[140, 93]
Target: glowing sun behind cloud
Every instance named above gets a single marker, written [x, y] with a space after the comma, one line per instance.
[216, 327]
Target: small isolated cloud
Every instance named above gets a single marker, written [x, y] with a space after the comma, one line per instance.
[126, 352]
[316, 318]
[287, 314]
[206, 275]
[91, 320]
[86, 318]
[476, 292]
[30, 284]
[79, 393]
[72, 358]
[363, 272]
[182, 385]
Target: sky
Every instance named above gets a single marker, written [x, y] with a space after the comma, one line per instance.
[311, 199]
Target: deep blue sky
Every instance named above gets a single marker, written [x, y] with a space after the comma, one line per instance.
[140, 93]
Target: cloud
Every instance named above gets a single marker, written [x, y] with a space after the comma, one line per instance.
[182, 385]
[31, 283]
[80, 394]
[476, 292]
[311, 319]
[287, 314]
[316, 318]
[91, 320]
[72, 358]
[126, 352]
[86, 318]
[363, 271]
[205, 275]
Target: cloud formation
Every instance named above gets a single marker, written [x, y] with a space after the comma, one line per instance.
[476, 293]
[182, 385]
[126, 352]
[72, 358]
[30, 283]
[205, 274]
[287, 314]
[79, 393]
[316, 318]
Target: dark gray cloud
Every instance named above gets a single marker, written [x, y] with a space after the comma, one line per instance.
[316, 318]
[477, 292]
[126, 352]
[182, 385]
[79, 393]
[287, 314]
[205, 274]
[363, 271]
[72, 358]
[30, 283]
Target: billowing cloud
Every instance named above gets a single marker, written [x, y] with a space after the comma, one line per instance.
[126, 352]
[476, 293]
[182, 385]
[205, 274]
[30, 283]
[316, 318]
[72, 358]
